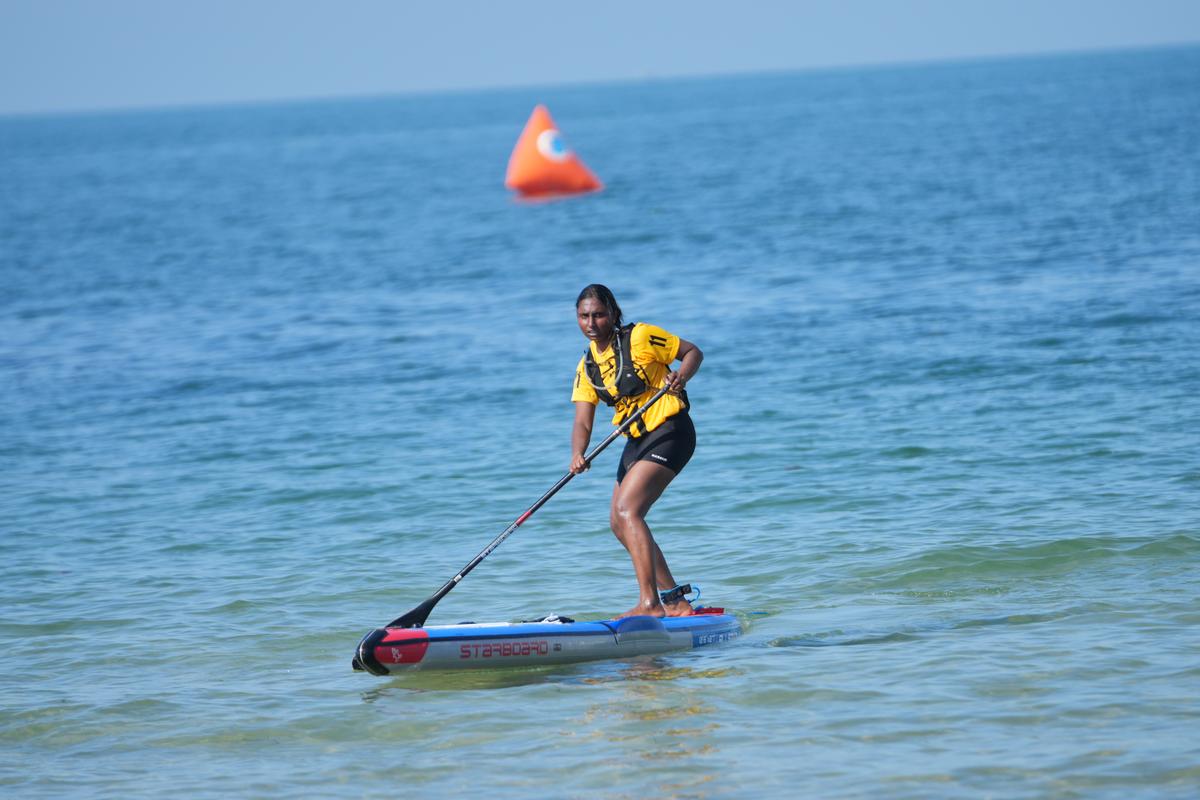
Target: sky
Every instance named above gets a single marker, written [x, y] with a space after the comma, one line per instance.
[84, 55]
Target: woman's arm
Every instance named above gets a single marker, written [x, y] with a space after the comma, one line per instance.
[581, 434]
[690, 357]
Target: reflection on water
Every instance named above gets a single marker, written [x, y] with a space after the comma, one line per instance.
[656, 671]
[462, 681]
[654, 715]
[643, 668]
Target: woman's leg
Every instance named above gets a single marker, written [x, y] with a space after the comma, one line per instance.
[632, 498]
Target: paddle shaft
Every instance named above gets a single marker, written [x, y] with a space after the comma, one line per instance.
[416, 618]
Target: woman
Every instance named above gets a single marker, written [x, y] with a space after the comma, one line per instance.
[625, 366]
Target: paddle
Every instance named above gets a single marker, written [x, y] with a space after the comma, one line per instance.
[416, 618]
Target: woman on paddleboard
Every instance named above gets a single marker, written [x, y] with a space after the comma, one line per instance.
[625, 365]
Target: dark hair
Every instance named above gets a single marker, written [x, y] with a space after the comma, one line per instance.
[598, 291]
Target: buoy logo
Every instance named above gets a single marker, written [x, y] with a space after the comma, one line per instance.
[541, 164]
[550, 144]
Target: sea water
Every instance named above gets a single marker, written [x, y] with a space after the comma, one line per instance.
[270, 375]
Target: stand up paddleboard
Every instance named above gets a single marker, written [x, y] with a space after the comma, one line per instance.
[492, 645]
[406, 643]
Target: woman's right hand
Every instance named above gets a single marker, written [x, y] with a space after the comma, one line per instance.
[581, 434]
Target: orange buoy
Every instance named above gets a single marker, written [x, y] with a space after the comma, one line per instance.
[541, 164]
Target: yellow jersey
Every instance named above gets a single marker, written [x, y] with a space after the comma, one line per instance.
[652, 349]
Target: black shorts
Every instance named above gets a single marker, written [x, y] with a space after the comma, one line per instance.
[670, 444]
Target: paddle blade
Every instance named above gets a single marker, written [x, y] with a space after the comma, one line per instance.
[415, 618]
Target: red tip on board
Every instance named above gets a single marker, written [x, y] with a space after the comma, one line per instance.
[402, 646]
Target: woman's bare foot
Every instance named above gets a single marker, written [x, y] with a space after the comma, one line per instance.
[646, 609]
[679, 608]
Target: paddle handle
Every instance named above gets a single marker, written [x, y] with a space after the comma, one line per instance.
[416, 618]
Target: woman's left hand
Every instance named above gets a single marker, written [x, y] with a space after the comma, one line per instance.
[675, 382]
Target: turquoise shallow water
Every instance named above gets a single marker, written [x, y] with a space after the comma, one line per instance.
[270, 375]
